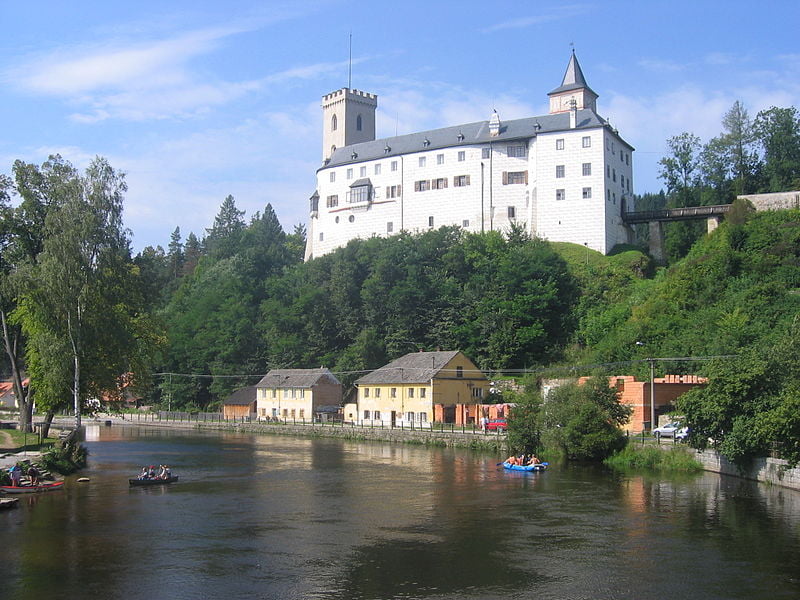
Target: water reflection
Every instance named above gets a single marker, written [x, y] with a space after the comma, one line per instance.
[281, 517]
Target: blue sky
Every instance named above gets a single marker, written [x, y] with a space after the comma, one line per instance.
[197, 100]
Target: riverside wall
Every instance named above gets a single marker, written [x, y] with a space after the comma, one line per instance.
[766, 470]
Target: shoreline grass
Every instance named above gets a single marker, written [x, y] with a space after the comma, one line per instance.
[676, 459]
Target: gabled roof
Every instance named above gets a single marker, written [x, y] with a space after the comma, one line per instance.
[416, 367]
[297, 378]
[573, 78]
[242, 396]
[461, 135]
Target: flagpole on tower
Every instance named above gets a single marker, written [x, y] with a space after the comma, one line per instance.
[350, 64]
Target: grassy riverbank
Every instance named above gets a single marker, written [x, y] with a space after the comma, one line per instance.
[676, 459]
[13, 440]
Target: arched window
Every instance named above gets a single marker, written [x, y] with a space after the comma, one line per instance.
[333, 149]
[358, 123]
[333, 123]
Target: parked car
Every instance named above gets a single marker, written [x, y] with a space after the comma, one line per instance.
[497, 425]
[672, 430]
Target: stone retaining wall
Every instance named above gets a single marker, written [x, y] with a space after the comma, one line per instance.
[765, 470]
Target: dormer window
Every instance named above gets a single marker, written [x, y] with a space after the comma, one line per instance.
[426, 142]
[386, 149]
[354, 155]
[460, 137]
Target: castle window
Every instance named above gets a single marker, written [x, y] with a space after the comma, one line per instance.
[465, 223]
[512, 214]
[333, 123]
[461, 180]
[377, 169]
[394, 165]
[560, 144]
[587, 192]
[560, 195]
[515, 177]
[614, 175]
[362, 172]
[351, 218]
[392, 191]
[608, 195]
[333, 149]
[440, 159]
[430, 221]
[359, 193]
[389, 227]
[349, 173]
[608, 172]
[486, 152]
[422, 186]
[321, 237]
[587, 169]
[586, 141]
[358, 123]
[516, 151]
[332, 176]
[332, 201]
[614, 197]
[439, 184]
[628, 184]
[627, 156]
[559, 171]
[336, 219]
[462, 156]
[421, 161]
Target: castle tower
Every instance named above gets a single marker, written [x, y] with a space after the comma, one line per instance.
[348, 117]
[572, 88]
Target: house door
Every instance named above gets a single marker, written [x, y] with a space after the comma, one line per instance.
[394, 417]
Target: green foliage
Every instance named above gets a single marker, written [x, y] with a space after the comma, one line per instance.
[632, 457]
[584, 420]
[524, 424]
[64, 460]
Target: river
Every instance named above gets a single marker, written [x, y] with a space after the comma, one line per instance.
[281, 517]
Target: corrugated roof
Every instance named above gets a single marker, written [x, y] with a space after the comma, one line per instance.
[462, 135]
[296, 378]
[243, 396]
[416, 367]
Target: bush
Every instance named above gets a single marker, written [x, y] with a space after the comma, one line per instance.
[653, 459]
[66, 460]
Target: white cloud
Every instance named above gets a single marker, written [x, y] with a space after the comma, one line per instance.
[556, 14]
[660, 65]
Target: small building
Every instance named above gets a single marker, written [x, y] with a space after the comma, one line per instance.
[297, 394]
[636, 394]
[418, 388]
[241, 405]
[8, 400]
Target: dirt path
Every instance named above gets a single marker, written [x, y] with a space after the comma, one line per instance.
[6, 441]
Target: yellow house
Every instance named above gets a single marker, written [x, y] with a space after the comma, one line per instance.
[296, 394]
[405, 391]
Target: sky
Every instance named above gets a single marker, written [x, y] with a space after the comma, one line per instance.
[196, 100]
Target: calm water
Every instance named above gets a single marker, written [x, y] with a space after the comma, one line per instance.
[277, 517]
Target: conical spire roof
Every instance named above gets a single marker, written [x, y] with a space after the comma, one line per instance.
[573, 78]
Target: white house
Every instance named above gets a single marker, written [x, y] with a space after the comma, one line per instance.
[564, 176]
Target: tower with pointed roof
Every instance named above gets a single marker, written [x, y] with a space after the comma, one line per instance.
[573, 93]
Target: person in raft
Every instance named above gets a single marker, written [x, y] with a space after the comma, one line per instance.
[534, 460]
[143, 474]
[512, 460]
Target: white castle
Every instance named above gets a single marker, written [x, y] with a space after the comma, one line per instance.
[564, 176]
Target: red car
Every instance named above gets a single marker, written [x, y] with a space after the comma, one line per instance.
[497, 425]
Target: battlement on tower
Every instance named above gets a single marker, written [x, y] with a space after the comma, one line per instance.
[348, 94]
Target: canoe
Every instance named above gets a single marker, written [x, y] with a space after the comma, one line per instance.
[152, 481]
[32, 489]
[528, 468]
[8, 503]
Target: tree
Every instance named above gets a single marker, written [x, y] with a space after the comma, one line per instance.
[778, 131]
[585, 420]
[175, 255]
[222, 240]
[524, 422]
[739, 140]
[679, 171]
[193, 252]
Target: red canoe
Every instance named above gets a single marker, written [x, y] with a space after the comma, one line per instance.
[31, 489]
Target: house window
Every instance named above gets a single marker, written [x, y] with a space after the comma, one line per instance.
[393, 191]
[460, 370]
[560, 195]
[394, 165]
[587, 169]
[362, 172]
[366, 392]
[366, 414]
[294, 393]
[423, 417]
[439, 184]
[462, 156]
[302, 393]
[376, 415]
[460, 180]
[477, 392]
[515, 177]
[465, 223]
[332, 176]
[285, 412]
[378, 169]
[377, 392]
[410, 392]
[440, 159]
[349, 173]
[430, 221]
[332, 201]
[389, 227]
[421, 161]
[516, 151]
[274, 393]
[560, 144]
[302, 413]
[421, 392]
[359, 193]
[559, 171]
[394, 393]
[586, 141]
[410, 417]
[587, 192]
[512, 213]
[486, 152]
[422, 186]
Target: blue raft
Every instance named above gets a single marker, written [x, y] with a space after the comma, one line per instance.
[539, 467]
